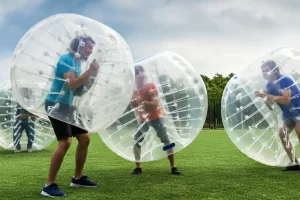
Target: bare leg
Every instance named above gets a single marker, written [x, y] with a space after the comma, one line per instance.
[171, 157]
[170, 152]
[284, 133]
[57, 158]
[137, 155]
[81, 153]
[297, 130]
[172, 161]
[137, 149]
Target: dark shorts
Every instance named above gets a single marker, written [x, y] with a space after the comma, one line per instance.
[62, 129]
[291, 121]
[158, 126]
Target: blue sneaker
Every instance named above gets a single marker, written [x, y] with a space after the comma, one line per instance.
[52, 190]
[82, 182]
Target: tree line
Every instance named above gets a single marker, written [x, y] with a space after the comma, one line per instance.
[215, 87]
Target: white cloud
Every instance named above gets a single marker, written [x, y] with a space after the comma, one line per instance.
[23, 6]
[216, 36]
[26, 7]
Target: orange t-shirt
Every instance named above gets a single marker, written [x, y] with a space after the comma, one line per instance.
[144, 94]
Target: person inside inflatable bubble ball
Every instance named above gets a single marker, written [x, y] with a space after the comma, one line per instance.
[24, 121]
[145, 98]
[68, 69]
[284, 91]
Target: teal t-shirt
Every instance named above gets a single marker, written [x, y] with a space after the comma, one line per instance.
[59, 91]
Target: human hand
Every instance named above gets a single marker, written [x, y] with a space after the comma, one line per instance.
[136, 100]
[139, 100]
[261, 94]
[94, 67]
[23, 116]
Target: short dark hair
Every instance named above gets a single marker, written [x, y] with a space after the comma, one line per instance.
[272, 65]
[269, 63]
[75, 42]
[138, 69]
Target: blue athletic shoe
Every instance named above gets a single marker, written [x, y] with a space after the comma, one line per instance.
[82, 182]
[52, 190]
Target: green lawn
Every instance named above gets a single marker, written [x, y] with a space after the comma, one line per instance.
[212, 168]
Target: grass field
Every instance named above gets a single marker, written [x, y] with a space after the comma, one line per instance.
[212, 168]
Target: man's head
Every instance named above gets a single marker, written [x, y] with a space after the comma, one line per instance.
[270, 70]
[82, 47]
[139, 74]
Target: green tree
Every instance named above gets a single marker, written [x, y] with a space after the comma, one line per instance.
[215, 87]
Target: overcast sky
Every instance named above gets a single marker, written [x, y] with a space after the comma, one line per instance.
[215, 36]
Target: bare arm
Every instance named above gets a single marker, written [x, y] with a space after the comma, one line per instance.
[284, 99]
[74, 82]
[152, 104]
[135, 100]
[133, 103]
[262, 95]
